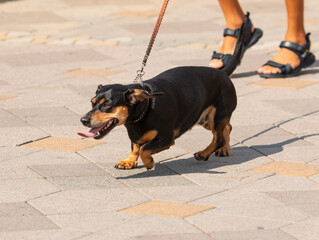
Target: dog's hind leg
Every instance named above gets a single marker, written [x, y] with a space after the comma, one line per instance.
[131, 161]
[225, 150]
[217, 125]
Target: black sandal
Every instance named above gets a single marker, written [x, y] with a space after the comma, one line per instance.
[250, 39]
[303, 52]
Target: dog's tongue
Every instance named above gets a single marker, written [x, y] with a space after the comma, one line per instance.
[90, 134]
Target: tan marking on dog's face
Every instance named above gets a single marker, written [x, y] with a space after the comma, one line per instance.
[147, 137]
[93, 100]
[98, 118]
[102, 100]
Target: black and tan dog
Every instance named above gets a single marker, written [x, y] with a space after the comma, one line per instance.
[167, 106]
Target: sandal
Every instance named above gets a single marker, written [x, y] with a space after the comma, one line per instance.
[250, 39]
[303, 52]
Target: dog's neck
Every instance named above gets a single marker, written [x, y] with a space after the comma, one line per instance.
[139, 111]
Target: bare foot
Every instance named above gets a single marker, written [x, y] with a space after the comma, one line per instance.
[228, 47]
[284, 56]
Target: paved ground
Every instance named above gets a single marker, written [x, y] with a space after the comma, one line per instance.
[55, 185]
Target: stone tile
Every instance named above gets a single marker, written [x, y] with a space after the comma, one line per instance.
[181, 236]
[18, 190]
[48, 116]
[300, 106]
[66, 170]
[85, 182]
[303, 126]
[54, 205]
[92, 222]
[8, 153]
[15, 136]
[85, 72]
[296, 197]
[136, 14]
[167, 209]
[49, 234]
[17, 173]
[29, 17]
[24, 223]
[158, 176]
[302, 154]
[17, 209]
[214, 222]
[284, 83]
[153, 226]
[104, 43]
[252, 234]
[280, 183]
[4, 97]
[62, 144]
[288, 169]
[305, 230]
[8, 120]
[179, 193]
[30, 59]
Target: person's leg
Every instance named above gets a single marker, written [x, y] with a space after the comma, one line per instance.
[234, 17]
[295, 33]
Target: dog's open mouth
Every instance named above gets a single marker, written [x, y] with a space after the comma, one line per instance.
[100, 132]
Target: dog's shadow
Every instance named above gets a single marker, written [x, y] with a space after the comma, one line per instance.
[240, 154]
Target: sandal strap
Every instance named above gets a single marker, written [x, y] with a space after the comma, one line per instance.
[217, 55]
[235, 32]
[296, 48]
[283, 68]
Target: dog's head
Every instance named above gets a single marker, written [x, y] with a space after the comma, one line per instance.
[111, 107]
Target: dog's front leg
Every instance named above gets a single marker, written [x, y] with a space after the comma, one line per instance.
[155, 146]
[131, 161]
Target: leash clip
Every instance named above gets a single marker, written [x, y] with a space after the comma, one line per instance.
[139, 77]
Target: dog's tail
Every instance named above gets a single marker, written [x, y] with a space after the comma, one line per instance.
[239, 51]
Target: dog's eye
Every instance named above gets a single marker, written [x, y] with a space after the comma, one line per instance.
[105, 108]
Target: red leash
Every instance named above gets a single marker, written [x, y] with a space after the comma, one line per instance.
[141, 72]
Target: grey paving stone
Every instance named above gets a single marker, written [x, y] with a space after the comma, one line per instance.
[20, 135]
[210, 221]
[18, 190]
[30, 17]
[21, 60]
[9, 120]
[8, 153]
[52, 116]
[299, 106]
[179, 193]
[252, 234]
[49, 234]
[17, 173]
[92, 222]
[24, 223]
[303, 154]
[17, 209]
[140, 177]
[86, 182]
[296, 197]
[182, 236]
[66, 170]
[154, 226]
[304, 230]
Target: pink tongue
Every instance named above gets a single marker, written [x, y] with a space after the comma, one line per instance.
[91, 133]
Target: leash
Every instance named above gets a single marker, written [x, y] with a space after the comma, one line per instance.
[141, 72]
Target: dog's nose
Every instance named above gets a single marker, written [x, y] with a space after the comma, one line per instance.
[85, 121]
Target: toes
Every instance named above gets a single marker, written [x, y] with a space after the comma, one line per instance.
[200, 157]
[216, 64]
[125, 165]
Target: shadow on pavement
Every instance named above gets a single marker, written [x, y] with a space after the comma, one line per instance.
[190, 165]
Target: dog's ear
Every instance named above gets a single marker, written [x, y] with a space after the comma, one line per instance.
[99, 88]
[134, 96]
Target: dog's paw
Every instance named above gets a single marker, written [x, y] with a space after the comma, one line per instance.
[125, 164]
[222, 152]
[199, 156]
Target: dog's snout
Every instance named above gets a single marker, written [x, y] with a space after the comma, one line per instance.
[85, 121]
